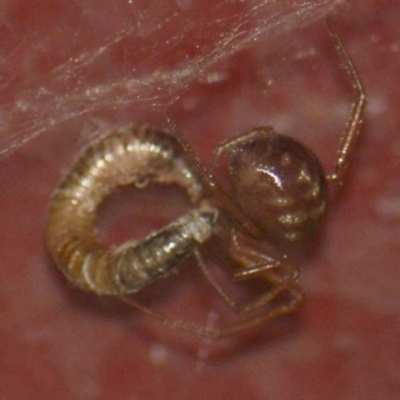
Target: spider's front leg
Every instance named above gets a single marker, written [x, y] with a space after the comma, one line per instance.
[350, 136]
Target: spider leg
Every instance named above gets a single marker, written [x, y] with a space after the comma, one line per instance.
[210, 183]
[242, 325]
[352, 132]
[175, 323]
[261, 310]
[282, 277]
[252, 322]
[235, 142]
[254, 261]
[211, 333]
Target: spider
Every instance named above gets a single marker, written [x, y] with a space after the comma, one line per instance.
[279, 192]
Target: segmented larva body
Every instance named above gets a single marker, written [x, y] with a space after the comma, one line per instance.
[136, 156]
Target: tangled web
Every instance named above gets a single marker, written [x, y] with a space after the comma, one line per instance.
[66, 59]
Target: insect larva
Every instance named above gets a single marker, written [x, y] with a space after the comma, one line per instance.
[137, 156]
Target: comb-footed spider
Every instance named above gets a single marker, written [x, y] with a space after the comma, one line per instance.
[279, 192]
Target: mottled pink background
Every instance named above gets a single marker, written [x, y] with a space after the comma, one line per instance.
[57, 343]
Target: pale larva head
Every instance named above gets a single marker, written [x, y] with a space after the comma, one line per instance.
[279, 184]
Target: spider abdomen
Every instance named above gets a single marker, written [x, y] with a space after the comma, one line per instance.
[279, 184]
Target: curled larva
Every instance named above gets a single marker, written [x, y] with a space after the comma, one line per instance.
[136, 156]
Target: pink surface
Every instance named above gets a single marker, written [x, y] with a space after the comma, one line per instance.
[344, 344]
